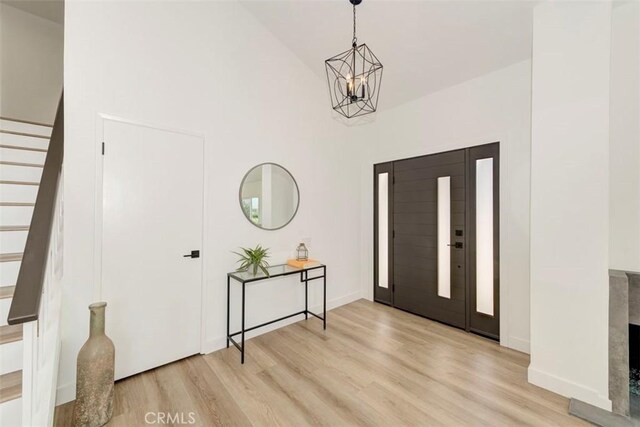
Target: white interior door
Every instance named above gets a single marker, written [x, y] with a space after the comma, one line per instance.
[152, 217]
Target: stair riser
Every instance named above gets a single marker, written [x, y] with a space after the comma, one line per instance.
[11, 413]
[18, 193]
[12, 241]
[23, 156]
[23, 141]
[15, 215]
[9, 273]
[4, 313]
[19, 173]
[24, 127]
[11, 357]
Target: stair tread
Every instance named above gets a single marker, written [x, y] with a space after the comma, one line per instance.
[6, 291]
[31, 135]
[14, 227]
[28, 165]
[17, 204]
[10, 386]
[9, 257]
[19, 147]
[19, 182]
[10, 333]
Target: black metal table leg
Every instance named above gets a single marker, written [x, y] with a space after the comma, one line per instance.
[324, 289]
[306, 295]
[242, 353]
[228, 307]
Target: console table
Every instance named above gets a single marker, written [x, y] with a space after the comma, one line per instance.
[244, 277]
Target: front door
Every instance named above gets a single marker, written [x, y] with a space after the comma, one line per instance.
[429, 225]
[436, 237]
[152, 217]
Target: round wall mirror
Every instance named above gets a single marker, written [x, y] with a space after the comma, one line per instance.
[269, 196]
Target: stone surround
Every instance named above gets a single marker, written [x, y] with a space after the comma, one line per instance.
[619, 341]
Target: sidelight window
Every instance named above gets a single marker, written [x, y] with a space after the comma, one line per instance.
[383, 230]
[444, 236]
[484, 236]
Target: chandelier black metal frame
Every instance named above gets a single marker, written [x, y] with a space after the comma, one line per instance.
[354, 77]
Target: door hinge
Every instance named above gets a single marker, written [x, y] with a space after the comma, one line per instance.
[103, 148]
[393, 181]
[393, 287]
[393, 234]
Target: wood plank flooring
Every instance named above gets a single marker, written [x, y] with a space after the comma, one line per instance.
[373, 366]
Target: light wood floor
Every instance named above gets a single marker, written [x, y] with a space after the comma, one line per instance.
[373, 366]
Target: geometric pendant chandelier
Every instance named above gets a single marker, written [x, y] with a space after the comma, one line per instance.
[354, 78]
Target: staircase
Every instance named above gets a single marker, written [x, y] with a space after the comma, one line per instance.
[23, 150]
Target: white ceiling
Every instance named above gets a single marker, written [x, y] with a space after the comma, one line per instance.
[424, 45]
[53, 10]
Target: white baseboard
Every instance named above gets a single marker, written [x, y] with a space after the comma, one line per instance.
[221, 342]
[567, 388]
[340, 301]
[518, 344]
[67, 393]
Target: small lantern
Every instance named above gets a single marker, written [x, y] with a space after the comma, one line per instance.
[302, 253]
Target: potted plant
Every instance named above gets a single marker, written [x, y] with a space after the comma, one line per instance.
[253, 259]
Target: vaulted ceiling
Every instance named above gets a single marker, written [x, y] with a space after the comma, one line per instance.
[424, 45]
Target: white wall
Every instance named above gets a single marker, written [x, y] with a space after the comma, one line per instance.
[210, 68]
[570, 199]
[30, 65]
[494, 107]
[624, 160]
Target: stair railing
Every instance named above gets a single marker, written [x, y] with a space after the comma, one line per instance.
[37, 296]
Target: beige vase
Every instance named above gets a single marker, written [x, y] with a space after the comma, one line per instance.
[94, 381]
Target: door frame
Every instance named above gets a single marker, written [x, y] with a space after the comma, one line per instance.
[499, 292]
[101, 119]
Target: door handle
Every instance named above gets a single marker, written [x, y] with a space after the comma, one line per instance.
[456, 245]
[193, 254]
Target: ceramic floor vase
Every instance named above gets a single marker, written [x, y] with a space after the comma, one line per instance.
[95, 374]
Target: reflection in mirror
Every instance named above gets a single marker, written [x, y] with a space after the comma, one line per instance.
[269, 196]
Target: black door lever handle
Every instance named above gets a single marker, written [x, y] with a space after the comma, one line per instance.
[193, 254]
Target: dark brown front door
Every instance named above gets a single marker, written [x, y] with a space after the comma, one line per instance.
[416, 263]
[436, 237]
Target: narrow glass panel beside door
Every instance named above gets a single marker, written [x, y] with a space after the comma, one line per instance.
[484, 236]
[444, 236]
[383, 230]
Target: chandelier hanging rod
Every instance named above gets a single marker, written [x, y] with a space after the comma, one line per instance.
[354, 41]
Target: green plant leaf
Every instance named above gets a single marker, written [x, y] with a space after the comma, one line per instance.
[264, 270]
[253, 259]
